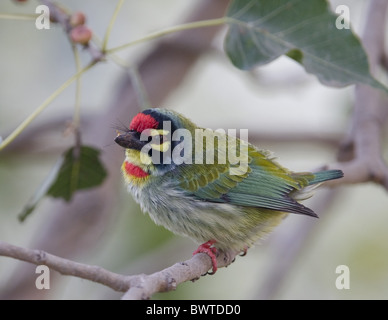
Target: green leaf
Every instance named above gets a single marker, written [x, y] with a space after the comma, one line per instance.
[41, 192]
[81, 169]
[78, 168]
[305, 30]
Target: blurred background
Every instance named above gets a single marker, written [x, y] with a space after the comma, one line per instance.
[285, 110]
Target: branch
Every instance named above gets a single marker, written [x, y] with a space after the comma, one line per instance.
[360, 153]
[66, 267]
[136, 287]
[30, 139]
[362, 148]
[169, 278]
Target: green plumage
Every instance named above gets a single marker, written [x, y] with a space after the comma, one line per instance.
[233, 203]
[265, 184]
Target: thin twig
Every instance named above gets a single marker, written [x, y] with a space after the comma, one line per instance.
[111, 23]
[43, 106]
[61, 17]
[174, 29]
[19, 16]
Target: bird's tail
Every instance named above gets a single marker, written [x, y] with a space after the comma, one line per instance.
[314, 181]
[323, 176]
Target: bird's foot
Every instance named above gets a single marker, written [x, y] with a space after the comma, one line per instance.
[244, 252]
[211, 251]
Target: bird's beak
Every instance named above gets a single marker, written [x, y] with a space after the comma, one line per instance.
[130, 140]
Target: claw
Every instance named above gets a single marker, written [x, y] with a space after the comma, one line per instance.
[244, 252]
[210, 251]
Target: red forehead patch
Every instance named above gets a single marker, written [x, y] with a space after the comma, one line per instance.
[143, 121]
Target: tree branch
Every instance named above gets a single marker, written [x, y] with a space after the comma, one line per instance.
[31, 138]
[66, 267]
[137, 286]
[169, 278]
[362, 147]
[360, 154]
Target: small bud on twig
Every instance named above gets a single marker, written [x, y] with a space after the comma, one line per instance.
[81, 34]
[77, 19]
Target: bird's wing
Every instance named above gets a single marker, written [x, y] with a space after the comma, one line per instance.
[263, 183]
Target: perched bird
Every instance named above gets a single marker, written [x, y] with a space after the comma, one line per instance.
[207, 185]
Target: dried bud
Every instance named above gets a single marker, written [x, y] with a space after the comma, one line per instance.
[81, 34]
[77, 18]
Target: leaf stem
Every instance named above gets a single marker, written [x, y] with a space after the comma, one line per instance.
[137, 82]
[163, 32]
[110, 26]
[42, 107]
[135, 77]
[13, 16]
[76, 117]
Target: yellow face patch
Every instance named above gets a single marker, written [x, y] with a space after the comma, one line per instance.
[161, 147]
[137, 157]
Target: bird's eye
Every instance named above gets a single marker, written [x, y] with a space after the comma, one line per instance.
[158, 139]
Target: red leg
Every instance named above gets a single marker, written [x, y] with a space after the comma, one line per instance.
[210, 251]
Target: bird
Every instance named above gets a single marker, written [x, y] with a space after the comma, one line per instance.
[210, 186]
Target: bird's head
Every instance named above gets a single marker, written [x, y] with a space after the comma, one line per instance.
[151, 139]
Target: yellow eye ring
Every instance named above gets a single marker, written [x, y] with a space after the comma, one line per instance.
[163, 147]
[158, 132]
